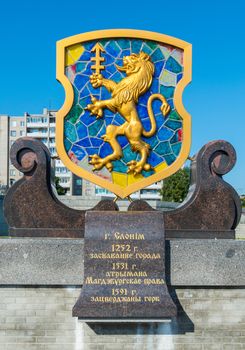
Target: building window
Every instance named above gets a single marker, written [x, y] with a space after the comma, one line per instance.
[22, 132]
[12, 181]
[22, 123]
[13, 133]
[13, 124]
[12, 172]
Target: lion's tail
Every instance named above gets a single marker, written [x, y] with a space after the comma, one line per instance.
[165, 108]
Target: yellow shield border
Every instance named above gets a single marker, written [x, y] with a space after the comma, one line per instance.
[69, 97]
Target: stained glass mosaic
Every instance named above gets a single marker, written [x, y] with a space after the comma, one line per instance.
[83, 132]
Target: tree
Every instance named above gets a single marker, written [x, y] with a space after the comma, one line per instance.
[175, 188]
[243, 201]
[60, 190]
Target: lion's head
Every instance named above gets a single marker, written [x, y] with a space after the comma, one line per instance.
[139, 70]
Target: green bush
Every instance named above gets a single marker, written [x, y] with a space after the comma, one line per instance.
[175, 188]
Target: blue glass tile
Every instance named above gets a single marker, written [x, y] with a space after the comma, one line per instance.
[144, 98]
[105, 150]
[88, 70]
[76, 94]
[175, 138]
[89, 45]
[104, 42]
[154, 159]
[85, 101]
[124, 53]
[156, 106]
[84, 92]
[108, 120]
[123, 141]
[85, 56]
[124, 43]
[158, 68]
[147, 173]
[170, 158]
[172, 124]
[167, 91]
[152, 141]
[119, 119]
[84, 142]
[106, 74]
[176, 148]
[179, 77]
[111, 68]
[142, 111]
[79, 152]
[87, 119]
[128, 154]
[81, 130]
[92, 150]
[117, 77]
[119, 166]
[145, 48]
[108, 59]
[173, 66]
[119, 62]
[155, 86]
[108, 113]
[70, 132]
[102, 130]
[113, 49]
[146, 124]
[171, 103]
[93, 91]
[96, 142]
[105, 94]
[94, 129]
[67, 144]
[136, 46]
[157, 55]
[159, 120]
[164, 134]
[80, 81]
[163, 148]
[80, 66]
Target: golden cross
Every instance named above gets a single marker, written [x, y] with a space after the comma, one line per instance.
[98, 59]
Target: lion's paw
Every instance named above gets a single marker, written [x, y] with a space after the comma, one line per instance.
[99, 163]
[96, 80]
[95, 108]
[137, 167]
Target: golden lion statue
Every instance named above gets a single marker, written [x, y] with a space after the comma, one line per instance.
[124, 96]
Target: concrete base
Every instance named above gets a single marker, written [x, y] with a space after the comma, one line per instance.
[60, 262]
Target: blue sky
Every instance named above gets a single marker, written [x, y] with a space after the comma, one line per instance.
[215, 98]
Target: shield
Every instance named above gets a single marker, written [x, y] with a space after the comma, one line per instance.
[123, 125]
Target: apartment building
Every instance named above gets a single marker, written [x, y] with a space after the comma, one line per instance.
[151, 192]
[4, 153]
[42, 127]
[39, 126]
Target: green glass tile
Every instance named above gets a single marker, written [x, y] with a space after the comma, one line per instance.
[95, 127]
[152, 44]
[174, 115]
[167, 91]
[74, 114]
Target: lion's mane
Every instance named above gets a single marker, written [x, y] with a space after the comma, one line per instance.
[135, 84]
